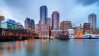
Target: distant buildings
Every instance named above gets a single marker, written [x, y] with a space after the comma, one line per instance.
[9, 24]
[2, 18]
[92, 20]
[20, 26]
[55, 20]
[51, 27]
[65, 25]
[86, 26]
[43, 14]
[30, 24]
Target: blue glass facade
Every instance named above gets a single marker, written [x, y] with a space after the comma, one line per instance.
[10, 21]
[43, 14]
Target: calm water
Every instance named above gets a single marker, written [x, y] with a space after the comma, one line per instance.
[50, 48]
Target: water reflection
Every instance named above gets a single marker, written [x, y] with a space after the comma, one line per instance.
[47, 47]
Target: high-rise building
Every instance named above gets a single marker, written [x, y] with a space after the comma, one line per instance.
[92, 20]
[30, 24]
[65, 25]
[55, 20]
[43, 14]
[86, 26]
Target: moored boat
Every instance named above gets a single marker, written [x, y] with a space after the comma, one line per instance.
[63, 37]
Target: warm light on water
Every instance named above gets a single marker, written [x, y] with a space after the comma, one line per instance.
[87, 47]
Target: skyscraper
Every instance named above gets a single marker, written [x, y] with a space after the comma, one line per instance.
[43, 14]
[55, 20]
[92, 20]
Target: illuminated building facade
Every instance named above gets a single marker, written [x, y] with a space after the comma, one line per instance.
[44, 31]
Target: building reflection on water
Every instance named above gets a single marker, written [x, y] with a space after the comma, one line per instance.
[45, 47]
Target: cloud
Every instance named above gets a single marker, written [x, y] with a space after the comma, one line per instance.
[17, 3]
[87, 2]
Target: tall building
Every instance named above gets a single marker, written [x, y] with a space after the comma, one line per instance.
[92, 20]
[65, 25]
[43, 14]
[86, 26]
[30, 24]
[55, 20]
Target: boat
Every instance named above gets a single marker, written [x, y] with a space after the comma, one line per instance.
[90, 36]
[63, 37]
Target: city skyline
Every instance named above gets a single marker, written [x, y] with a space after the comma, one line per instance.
[69, 11]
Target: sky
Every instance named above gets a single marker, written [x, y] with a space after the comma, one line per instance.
[76, 11]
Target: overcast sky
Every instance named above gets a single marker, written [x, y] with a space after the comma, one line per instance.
[75, 10]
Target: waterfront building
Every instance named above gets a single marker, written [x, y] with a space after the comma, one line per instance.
[65, 25]
[3, 25]
[44, 31]
[9, 24]
[86, 26]
[55, 33]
